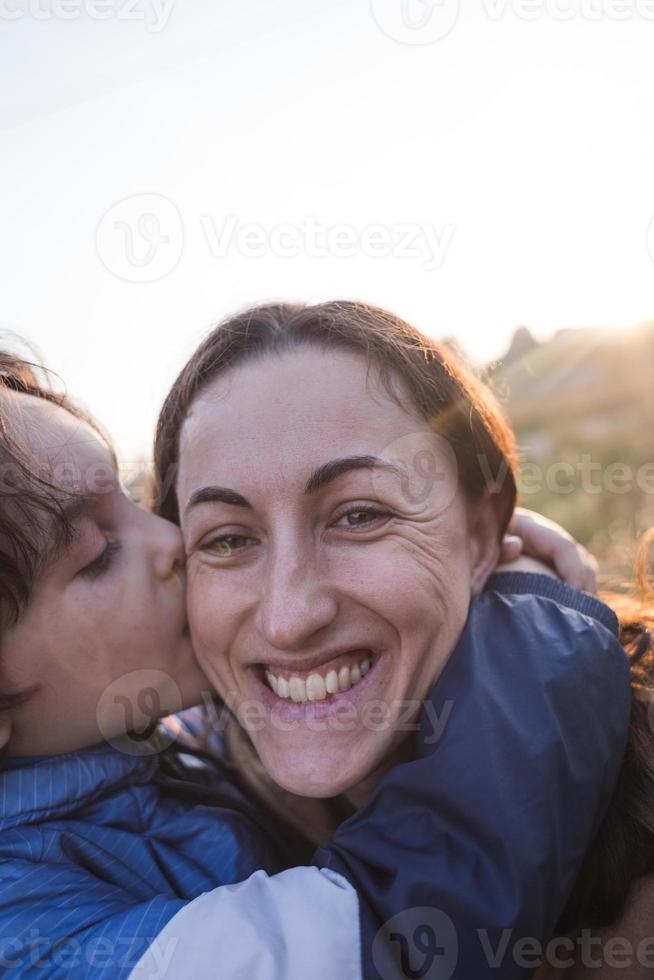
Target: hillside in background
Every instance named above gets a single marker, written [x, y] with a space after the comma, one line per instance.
[582, 406]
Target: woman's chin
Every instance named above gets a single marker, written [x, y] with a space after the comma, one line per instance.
[311, 787]
[323, 779]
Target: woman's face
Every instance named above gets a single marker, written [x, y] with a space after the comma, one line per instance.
[102, 645]
[331, 561]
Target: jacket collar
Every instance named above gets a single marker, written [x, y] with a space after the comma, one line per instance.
[52, 787]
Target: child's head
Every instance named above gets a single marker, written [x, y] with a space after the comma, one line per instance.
[93, 637]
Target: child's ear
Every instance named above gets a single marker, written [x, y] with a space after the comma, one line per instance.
[484, 539]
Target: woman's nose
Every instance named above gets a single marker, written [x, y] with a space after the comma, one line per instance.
[295, 603]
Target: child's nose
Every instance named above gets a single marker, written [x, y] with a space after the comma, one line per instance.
[170, 558]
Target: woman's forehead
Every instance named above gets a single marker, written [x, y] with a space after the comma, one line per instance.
[306, 391]
[275, 421]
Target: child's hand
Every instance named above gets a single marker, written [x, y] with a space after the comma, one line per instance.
[532, 536]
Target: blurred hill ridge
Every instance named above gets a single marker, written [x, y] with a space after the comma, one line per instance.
[582, 406]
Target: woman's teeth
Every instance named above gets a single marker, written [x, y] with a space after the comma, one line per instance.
[316, 687]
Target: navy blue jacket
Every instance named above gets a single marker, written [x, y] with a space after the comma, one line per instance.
[470, 852]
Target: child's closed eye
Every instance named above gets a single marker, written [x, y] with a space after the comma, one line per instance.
[102, 562]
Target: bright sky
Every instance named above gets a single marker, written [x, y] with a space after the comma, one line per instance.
[472, 167]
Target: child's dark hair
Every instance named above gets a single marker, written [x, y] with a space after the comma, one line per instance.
[33, 518]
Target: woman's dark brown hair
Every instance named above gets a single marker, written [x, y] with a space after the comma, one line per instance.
[457, 405]
[462, 409]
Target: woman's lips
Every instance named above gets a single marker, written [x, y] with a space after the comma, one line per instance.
[287, 707]
[333, 677]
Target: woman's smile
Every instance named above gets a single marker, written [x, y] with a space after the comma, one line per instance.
[350, 678]
[338, 674]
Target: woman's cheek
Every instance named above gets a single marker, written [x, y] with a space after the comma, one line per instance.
[209, 626]
[371, 573]
[200, 590]
[198, 612]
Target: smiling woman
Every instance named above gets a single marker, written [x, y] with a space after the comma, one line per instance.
[343, 484]
[337, 524]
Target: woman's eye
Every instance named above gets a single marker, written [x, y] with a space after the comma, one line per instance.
[226, 545]
[362, 516]
[103, 562]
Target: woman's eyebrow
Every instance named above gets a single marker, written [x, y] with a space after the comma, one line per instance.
[210, 495]
[320, 477]
[336, 467]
